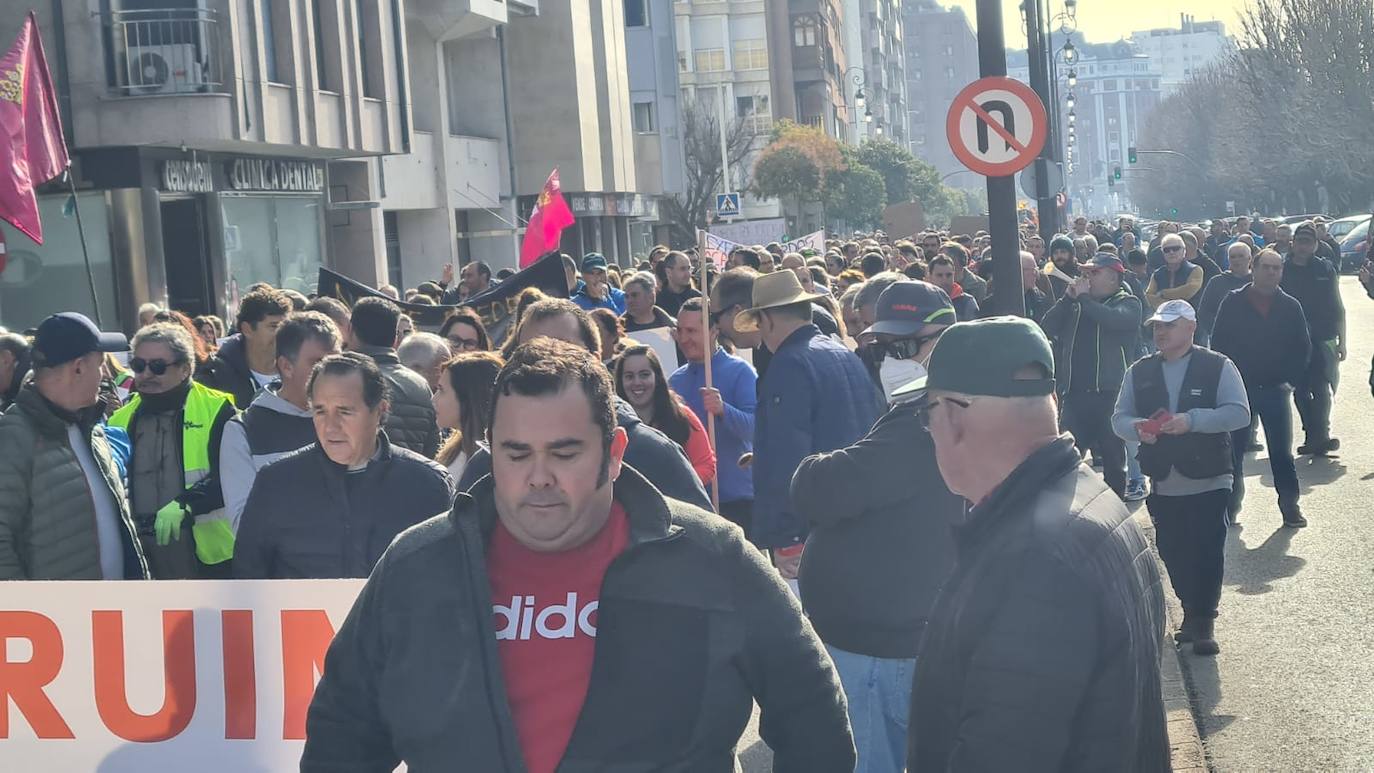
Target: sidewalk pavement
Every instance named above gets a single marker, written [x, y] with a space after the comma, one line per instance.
[1185, 745]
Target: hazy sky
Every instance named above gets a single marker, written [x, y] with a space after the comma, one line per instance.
[1100, 21]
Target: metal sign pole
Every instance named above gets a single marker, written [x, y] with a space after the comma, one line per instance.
[1008, 297]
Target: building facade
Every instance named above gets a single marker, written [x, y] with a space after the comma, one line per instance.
[807, 60]
[941, 59]
[878, 51]
[205, 137]
[724, 61]
[1117, 87]
[1179, 53]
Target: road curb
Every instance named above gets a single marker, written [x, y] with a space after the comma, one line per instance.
[1186, 752]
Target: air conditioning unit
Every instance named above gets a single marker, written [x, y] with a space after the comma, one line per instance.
[169, 68]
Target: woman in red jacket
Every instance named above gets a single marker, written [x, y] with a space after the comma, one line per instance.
[639, 380]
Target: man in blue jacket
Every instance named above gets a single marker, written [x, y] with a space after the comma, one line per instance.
[731, 398]
[815, 397]
[596, 292]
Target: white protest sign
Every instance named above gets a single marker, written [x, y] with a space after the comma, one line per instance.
[209, 676]
[660, 339]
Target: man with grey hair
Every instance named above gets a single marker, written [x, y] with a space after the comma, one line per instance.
[641, 311]
[1042, 650]
[1238, 257]
[279, 421]
[14, 365]
[176, 426]
[424, 353]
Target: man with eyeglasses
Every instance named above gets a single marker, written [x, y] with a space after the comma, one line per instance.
[176, 426]
[1042, 650]
[881, 542]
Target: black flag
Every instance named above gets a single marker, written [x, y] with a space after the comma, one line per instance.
[495, 306]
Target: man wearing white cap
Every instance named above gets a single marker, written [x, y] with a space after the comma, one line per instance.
[1182, 403]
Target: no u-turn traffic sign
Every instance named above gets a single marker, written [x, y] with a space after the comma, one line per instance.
[996, 126]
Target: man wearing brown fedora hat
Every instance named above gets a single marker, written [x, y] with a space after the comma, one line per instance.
[815, 397]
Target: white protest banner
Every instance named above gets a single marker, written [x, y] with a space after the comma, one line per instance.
[812, 241]
[660, 339]
[751, 231]
[716, 249]
[116, 677]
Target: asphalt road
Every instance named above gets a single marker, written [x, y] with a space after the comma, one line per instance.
[1291, 689]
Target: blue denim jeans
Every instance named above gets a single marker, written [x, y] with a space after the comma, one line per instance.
[1274, 410]
[879, 694]
[1133, 474]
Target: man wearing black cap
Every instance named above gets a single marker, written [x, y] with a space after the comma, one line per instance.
[1315, 282]
[1095, 328]
[1061, 269]
[880, 545]
[63, 511]
[1042, 650]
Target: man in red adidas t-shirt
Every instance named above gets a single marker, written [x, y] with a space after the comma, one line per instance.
[567, 616]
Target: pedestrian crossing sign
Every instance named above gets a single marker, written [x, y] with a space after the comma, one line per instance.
[727, 205]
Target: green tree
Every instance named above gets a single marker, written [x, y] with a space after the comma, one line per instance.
[856, 195]
[899, 169]
[795, 165]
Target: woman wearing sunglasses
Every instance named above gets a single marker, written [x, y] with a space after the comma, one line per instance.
[175, 425]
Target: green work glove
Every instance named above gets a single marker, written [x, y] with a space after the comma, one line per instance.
[168, 522]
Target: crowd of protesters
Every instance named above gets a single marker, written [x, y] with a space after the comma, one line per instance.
[793, 530]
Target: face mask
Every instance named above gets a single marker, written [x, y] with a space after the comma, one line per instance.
[895, 374]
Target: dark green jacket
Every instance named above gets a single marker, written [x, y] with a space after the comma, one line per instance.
[693, 628]
[47, 519]
[1094, 341]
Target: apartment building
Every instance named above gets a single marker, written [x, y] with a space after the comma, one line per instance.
[941, 58]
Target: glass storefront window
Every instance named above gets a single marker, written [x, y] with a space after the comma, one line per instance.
[273, 239]
[42, 280]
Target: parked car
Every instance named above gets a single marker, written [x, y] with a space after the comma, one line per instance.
[1339, 229]
[1355, 247]
[1295, 219]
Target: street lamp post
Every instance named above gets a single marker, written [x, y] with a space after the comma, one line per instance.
[859, 77]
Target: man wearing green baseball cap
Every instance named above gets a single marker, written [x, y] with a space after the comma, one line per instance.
[1042, 651]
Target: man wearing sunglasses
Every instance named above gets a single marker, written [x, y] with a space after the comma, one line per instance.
[1178, 278]
[176, 426]
[880, 544]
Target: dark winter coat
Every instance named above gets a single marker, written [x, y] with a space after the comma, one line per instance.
[1094, 341]
[308, 517]
[693, 627]
[1267, 350]
[228, 371]
[410, 423]
[1043, 650]
[47, 519]
[880, 544]
[649, 451]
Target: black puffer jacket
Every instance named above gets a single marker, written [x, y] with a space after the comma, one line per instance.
[649, 451]
[308, 517]
[693, 627]
[1042, 652]
[228, 371]
[411, 423]
[880, 544]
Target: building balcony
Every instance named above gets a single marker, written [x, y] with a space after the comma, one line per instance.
[453, 19]
[209, 79]
[158, 52]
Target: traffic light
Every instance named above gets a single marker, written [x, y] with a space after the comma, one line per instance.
[1173, 212]
[1130, 154]
[1111, 181]
[1116, 173]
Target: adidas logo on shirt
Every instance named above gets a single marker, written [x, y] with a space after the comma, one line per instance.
[524, 620]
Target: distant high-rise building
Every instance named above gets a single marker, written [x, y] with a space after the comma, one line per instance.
[1117, 87]
[941, 58]
[1182, 52]
[876, 72]
[807, 60]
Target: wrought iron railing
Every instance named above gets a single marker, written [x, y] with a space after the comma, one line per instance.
[164, 51]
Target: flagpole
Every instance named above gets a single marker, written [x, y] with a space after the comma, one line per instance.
[710, 350]
[85, 253]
